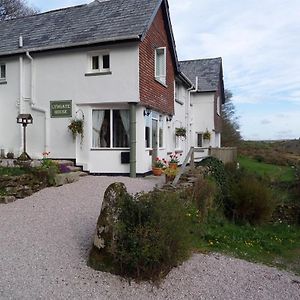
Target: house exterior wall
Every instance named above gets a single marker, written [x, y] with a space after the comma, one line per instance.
[204, 111]
[60, 76]
[217, 117]
[152, 93]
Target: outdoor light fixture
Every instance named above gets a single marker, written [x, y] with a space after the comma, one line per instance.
[147, 112]
[24, 119]
[169, 118]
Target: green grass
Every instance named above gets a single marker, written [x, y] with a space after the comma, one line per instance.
[275, 245]
[274, 172]
[12, 171]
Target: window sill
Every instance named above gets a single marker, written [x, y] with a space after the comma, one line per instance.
[3, 81]
[179, 101]
[98, 73]
[110, 149]
[160, 82]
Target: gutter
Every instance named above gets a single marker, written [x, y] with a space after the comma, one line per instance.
[71, 45]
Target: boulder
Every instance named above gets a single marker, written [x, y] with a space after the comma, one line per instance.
[109, 214]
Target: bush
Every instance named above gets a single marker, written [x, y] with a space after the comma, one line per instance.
[151, 235]
[205, 194]
[252, 201]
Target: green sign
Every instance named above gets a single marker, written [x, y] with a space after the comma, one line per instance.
[61, 109]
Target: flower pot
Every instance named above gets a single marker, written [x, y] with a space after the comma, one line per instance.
[156, 171]
[173, 166]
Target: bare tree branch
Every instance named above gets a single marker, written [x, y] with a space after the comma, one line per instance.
[10, 9]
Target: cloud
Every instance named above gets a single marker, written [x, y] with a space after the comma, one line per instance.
[265, 122]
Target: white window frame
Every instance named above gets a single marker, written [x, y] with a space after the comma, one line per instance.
[218, 105]
[197, 135]
[161, 121]
[100, 55]
[161, 78]
[3, 79]
[111, 136]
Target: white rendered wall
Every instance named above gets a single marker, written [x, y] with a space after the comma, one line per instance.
[61, 76]
[10, 131]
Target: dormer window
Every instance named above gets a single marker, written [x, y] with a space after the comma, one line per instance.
[2, 72]
[160, 65]
[99, 63]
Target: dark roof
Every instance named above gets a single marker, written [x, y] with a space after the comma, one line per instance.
[208, 71]
[98, 22]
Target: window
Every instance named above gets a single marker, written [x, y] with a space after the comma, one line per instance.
[177, 91]
[148, 124]
[111, 128]
[2, 72]
[161, 132]
[160, 65]
[100, 63]
[199, 140]
[218, 105]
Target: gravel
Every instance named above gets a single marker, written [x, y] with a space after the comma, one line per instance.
[45, 240]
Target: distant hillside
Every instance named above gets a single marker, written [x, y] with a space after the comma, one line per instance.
[276, 152]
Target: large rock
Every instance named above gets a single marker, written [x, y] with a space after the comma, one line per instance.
[105, 231]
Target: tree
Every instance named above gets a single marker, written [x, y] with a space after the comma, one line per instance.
[10, 9]
[230, 135]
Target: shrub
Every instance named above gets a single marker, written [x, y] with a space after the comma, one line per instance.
[252, 201]
[205, 194]
[152, 235]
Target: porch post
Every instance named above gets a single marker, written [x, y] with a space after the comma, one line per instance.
[132, 140]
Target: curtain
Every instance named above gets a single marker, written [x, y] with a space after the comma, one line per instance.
[98, 117]
[126, 122]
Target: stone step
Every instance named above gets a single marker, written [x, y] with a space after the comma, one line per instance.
[74, 169]
[68, 163]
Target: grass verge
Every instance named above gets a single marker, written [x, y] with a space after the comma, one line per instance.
[275, 245]
[274, 172]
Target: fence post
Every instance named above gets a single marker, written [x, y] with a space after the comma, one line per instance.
[192, 162]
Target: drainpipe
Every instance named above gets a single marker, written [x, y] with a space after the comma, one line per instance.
[20, 104]
[33, 105]
[132, 140]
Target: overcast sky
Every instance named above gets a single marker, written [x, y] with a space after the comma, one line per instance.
[259, 41]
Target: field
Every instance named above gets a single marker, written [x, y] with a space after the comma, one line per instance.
[272, 171]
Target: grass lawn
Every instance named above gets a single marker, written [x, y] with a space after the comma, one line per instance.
[275, 245]
[274, 172]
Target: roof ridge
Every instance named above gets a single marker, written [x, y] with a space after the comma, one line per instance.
[45, 12]
[199, 59]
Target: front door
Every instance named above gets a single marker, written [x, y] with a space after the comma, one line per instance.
[154, 139]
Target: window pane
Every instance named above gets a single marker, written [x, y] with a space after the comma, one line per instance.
[101, 129]
[95, 62]
[161, 131]
[199, 140]
[148, 124]
[2, 71]
[106, 62]
[121, 128]
[160, 65]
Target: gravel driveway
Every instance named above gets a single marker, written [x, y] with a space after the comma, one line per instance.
[45, 240]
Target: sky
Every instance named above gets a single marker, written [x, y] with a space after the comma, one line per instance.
[259, 41]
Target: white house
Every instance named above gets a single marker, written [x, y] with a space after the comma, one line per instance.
[113, 65]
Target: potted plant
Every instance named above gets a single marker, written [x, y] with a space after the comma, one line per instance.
[174, 160]
[76, 127]
[206, 135]
[180, 131]
[157, 168]
[170, 174]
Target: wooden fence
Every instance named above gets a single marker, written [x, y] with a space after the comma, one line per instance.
[226, 155]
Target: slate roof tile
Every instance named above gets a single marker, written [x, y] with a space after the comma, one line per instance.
[98, 21]
[208, 71]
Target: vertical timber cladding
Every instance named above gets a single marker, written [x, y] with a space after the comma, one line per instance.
[61, 109]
